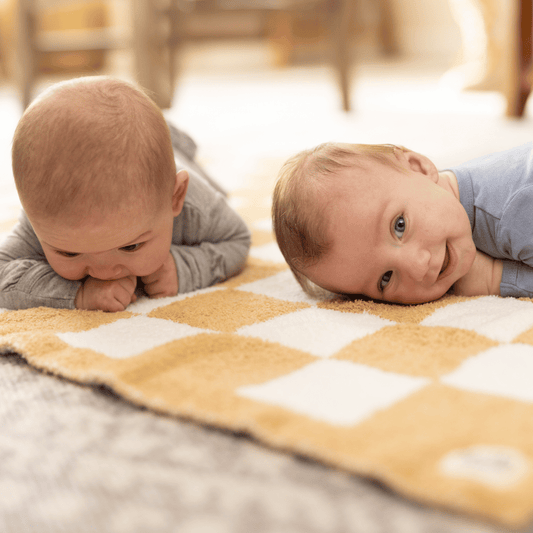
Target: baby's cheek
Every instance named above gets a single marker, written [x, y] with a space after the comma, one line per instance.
[149, 263]
[71, 272]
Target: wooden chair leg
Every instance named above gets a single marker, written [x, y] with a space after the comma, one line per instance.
[175, 41]
[25, 63]
[151, 57]
[518, 83]
[281, 37]
[340, 38]
[386, 28]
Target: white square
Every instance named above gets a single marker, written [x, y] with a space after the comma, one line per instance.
[282, 286]
[499, 319]
[320, 332]
[128, 337]
[337, 392]
[268, 252]
[505, 370]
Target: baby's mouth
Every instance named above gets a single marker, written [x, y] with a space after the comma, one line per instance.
[446, 261]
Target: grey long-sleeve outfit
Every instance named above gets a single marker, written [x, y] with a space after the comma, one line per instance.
[210, 243]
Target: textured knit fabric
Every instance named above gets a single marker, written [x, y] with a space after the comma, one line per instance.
[497, 193]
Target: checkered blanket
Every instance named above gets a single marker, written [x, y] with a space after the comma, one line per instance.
[433, 400]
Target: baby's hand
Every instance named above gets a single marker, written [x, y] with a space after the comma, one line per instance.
[483, 278]
[162, 282]
[113, 295]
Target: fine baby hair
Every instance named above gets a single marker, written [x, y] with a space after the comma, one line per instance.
[90, 143]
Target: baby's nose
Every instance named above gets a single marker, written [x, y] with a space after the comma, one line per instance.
[418, 264]
[106, 272]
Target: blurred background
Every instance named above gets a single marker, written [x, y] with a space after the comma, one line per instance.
[252, 79]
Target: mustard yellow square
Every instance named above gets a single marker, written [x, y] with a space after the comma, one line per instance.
[412, 314]
[416, 350]
[225, 310]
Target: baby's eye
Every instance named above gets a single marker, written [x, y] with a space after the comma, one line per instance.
[399, 226]
[132, 247]
[67, 254]
[384, 281]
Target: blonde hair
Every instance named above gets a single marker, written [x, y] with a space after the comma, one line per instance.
[88, 144]
[299, 218]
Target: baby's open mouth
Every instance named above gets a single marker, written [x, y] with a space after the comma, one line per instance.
[446, 260]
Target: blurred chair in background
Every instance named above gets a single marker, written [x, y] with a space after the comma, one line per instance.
[496, 49]
[157, 30]
[156, 40]
[59, 36]
[519, 79]
[76, 35]
[282, 18]
[73, 37]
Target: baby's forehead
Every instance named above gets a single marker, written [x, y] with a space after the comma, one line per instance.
[133, 207]
[360, 192]
[345, 183]
[367, 174]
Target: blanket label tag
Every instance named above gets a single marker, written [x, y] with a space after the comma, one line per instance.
[498, 466]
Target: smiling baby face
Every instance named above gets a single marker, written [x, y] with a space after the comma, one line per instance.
[397, 234]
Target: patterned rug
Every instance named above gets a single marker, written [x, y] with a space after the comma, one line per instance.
[435, 401]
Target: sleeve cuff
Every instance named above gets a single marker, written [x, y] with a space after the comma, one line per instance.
[517, 279]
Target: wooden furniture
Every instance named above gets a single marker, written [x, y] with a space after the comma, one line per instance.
[151, 38]
[496, 48]
[32, 43]
[336, 16]
[519, 81]
[157, 33]
[156, 39]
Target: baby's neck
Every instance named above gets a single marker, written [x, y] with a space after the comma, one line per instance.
[448, 181]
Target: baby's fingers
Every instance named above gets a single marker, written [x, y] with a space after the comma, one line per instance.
[110, 296]
[120, 293]
[124, 292]
[119, 300]
[154, 289]
[129, 283]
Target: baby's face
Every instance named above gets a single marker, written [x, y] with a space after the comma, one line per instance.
[398, 237]
[135, 241]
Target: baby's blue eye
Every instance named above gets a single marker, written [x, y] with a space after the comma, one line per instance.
[399, 227]
[384, 281]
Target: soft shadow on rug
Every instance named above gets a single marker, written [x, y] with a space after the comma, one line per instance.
[434, 401]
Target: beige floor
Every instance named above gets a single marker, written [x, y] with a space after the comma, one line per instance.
[240, 109]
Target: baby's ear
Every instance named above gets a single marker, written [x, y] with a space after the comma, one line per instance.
[420, 163]
[180, 190]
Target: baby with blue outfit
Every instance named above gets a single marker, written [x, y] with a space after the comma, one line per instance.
[381, 221]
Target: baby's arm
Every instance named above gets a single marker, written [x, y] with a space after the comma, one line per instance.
[26, 278]
[210, 240]
[483, 278]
